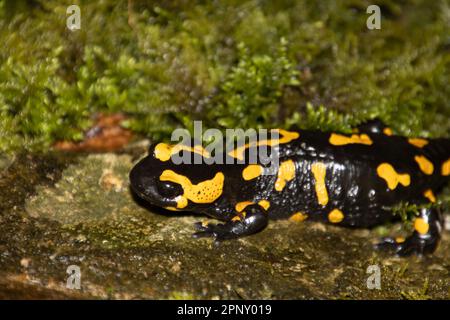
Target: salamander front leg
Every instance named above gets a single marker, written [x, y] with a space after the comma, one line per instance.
[425, 238]
[252, 220]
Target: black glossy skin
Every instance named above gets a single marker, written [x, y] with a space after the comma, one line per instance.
[352, 182]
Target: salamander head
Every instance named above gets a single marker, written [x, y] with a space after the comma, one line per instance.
[158, 180]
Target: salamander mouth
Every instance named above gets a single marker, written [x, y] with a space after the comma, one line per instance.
[146, 188]
[145, 184]
[151, 197]
[137, 190]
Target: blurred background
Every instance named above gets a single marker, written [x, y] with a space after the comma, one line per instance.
[162, 64]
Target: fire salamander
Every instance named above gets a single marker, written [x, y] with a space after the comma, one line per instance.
[348, 180]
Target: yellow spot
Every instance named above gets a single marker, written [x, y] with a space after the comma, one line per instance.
[286, 173]
[252, 171]
[264, 204]
[421, 226]
[172, 208]
[164, 151]
[182, 202]
[446, 168]
[388, 173]
[425, 165]
[340, 140]
[430, 195]
[399, 239]
[236, 218]
[204, 192]
[335, 216]
[286, 136]
[298, 217]
[388, 131]
[205, 223]
[319, 171]
[419, 143]
[239, 217]
[242, 205]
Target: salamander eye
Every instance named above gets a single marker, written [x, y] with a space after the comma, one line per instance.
[169, 189]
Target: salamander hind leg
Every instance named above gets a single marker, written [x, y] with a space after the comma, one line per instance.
[251, 220]
[424, 239]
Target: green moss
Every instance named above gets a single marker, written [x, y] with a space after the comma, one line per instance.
[421, 294]
[249, 96]
[229, 63]
[35, 106]
[180, 295]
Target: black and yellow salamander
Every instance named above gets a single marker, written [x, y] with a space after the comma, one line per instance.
[349, 180]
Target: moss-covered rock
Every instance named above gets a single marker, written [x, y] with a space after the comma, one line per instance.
[82, 214]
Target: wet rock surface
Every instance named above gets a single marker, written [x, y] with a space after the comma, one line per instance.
[58, 210]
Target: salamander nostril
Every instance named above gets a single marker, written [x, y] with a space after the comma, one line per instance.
[169, 189]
